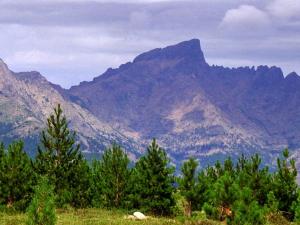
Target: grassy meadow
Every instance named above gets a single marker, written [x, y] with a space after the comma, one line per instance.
[87, 217]
[113, 217]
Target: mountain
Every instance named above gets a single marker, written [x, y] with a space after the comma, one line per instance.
[172, 94]
[196, 109]
[27, 99]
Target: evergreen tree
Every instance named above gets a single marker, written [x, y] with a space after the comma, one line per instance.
[2, 151]
[187, 184]
[110, 176]
[203, 185]
[16, 176]
[41, 210]
[272, 203]
[59, 158]
[80, 184]
[246, 210]
[153, 181]
[250, 174]
[296, 208]
[222, 195]
[236, 190]
[285, 184]
[2, 174]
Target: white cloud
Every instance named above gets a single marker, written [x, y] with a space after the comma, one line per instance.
[86, 1]
[246, 18]
[74, 40]
[285, 9]
[36, 57]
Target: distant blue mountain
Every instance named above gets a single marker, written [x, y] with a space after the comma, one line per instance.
[193, 108]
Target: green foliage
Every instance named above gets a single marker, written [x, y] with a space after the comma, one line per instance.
[16, 176]
[246, 209]
[80, 184]
[296, 208]
[187, 184]
[61, 161]
[285, 185]
[110, 177]
[41, 210]
[152, 182]
[247, 193]
[272, 203]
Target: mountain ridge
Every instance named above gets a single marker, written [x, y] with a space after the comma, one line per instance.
[191, 107]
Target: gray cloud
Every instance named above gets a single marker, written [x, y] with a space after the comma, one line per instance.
[74, 40]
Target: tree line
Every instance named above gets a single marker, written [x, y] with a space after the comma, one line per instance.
[241, 192]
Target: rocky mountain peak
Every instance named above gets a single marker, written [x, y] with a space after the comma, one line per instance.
[190, 50]
[293, 75]
[3, 66]
[31, 77]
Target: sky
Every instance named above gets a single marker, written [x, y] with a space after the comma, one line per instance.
[69, 41]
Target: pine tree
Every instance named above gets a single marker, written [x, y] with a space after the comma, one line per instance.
[111, 176]
[296, 208]
[16, 176]
[2, 174]
[285, 184]
[154, 181]
[250, 174]
[2, 151]
[59, 158]
[187, 184]
[41, 210]
[80, 184]
[246, 210]
[272, 203]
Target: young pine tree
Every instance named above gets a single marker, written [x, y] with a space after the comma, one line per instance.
[246, 210]
[41, 210]
[187, 184]
[2, 174]
[296, 208]
[285, 184]
[61, 161]
[153, 182]
[110, 177]
[16, 176]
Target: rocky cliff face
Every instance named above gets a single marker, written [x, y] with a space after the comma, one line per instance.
[27, 99]
[193, 108]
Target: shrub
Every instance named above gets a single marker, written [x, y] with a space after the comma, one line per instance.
[41, 210]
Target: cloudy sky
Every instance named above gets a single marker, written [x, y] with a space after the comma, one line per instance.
[69, 41]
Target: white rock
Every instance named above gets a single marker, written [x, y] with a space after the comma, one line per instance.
[139, 216]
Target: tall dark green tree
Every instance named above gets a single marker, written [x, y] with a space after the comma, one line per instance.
[60, 159]
[16, 176]
[153, 182]
[187, 185]
[2, 151]
[296, 208]
[285, 184]
[110, 177]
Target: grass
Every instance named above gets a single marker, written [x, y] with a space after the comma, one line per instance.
[88, 217]
[108, 217]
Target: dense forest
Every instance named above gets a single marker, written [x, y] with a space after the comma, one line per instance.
[238, 192]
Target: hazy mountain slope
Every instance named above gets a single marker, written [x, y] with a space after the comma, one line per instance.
[171, 94]
[164, 93]
[258, 99]
[26, 99]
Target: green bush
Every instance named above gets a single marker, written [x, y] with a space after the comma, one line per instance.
[41, 210]
[296, 207]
